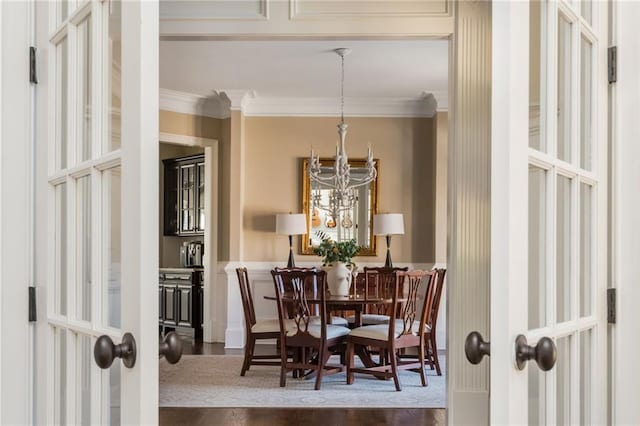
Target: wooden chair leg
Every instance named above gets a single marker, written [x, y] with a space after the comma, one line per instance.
[350, 354]
[283, 366]
[434, 351]
[248, 354]
[423, 376]
[323, 357]
[429, 352]
[394, 370]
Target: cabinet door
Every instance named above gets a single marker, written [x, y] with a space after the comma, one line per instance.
[200, 197]
[161, 302]
[170, 294]
[188, 198]
[171, 217]
[184, 303]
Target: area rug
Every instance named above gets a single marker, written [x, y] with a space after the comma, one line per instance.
[215, 381]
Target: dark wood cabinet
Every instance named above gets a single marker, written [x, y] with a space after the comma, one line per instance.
[184, 195]
[181, 303]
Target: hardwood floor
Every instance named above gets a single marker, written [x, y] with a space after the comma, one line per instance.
[290, 416]
[307, 416]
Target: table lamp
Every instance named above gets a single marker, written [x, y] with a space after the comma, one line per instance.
[388, 224]
[291, 224]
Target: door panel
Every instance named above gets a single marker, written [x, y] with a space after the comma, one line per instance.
[564, 193]
[100, 86]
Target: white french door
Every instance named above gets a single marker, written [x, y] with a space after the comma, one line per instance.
[549, 212]
[102, 148]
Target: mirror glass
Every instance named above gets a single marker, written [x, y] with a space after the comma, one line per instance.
[356, 223]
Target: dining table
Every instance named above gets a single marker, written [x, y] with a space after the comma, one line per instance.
[352, 302]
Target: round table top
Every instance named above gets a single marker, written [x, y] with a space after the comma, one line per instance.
[348, 300]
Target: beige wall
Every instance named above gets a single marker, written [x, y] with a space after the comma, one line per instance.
[442, 158]
[189, 125]
[274, 147]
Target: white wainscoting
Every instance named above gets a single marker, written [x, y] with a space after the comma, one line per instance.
[228, 321]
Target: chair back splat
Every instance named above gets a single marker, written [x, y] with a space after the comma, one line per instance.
[247, 299]
[308, 337]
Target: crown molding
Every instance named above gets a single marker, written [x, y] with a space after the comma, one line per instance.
[221, 102]
[189, 103]
[425, 106]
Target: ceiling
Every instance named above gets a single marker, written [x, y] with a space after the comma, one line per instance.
[304, 69]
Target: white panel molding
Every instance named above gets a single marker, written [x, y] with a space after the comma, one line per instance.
[221, 102]
[225, 10]
[469, 211]
[299, 9]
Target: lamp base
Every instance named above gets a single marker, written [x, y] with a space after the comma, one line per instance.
[290, 263]
[387, 262]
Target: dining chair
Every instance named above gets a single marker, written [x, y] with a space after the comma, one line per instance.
[255, 330]
[333, 319]
[312, 342]
[406, 331]
[430, 329]
[377, 280]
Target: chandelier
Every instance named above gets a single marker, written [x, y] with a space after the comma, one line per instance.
[340, 182]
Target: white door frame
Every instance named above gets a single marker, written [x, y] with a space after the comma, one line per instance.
[16, 228]
[211, 195]
[624, 385]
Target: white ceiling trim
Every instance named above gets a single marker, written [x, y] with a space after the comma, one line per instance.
[251, 104]
[353, 107]
[188, 103]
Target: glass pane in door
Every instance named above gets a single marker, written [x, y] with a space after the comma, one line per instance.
[85, 364]
[564, 90]
[62, 103]
[586, 121]
[586, 351]
[112, 288]
[60, 375]
[85, 81]
[563, 381]
[537, 246]
[563, 248]
[114, 395]
[537, 395]
[114, 70]
[586, 9]
[61, 238]
[586, 245]
[83, 258]
[536, 141]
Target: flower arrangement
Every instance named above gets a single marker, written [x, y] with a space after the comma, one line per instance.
[333, 251]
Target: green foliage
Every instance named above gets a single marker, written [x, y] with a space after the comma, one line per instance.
[332, 251]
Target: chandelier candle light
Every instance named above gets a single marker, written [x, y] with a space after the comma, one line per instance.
[291, 224]
[340, 182]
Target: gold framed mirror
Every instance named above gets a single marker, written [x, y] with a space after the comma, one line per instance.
[356, 223]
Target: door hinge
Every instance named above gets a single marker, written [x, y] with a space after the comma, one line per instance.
[33, 76]
[612, 64]
[33, 317]
[611, 305]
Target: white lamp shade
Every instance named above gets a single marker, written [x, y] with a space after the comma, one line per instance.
[388, 224]
[291, 224]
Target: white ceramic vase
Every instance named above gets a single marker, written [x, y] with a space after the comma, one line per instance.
[339, 279]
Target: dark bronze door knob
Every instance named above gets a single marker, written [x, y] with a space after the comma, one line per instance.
[171, 348]
[105, 351]
[544, 353]
[475, 348]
